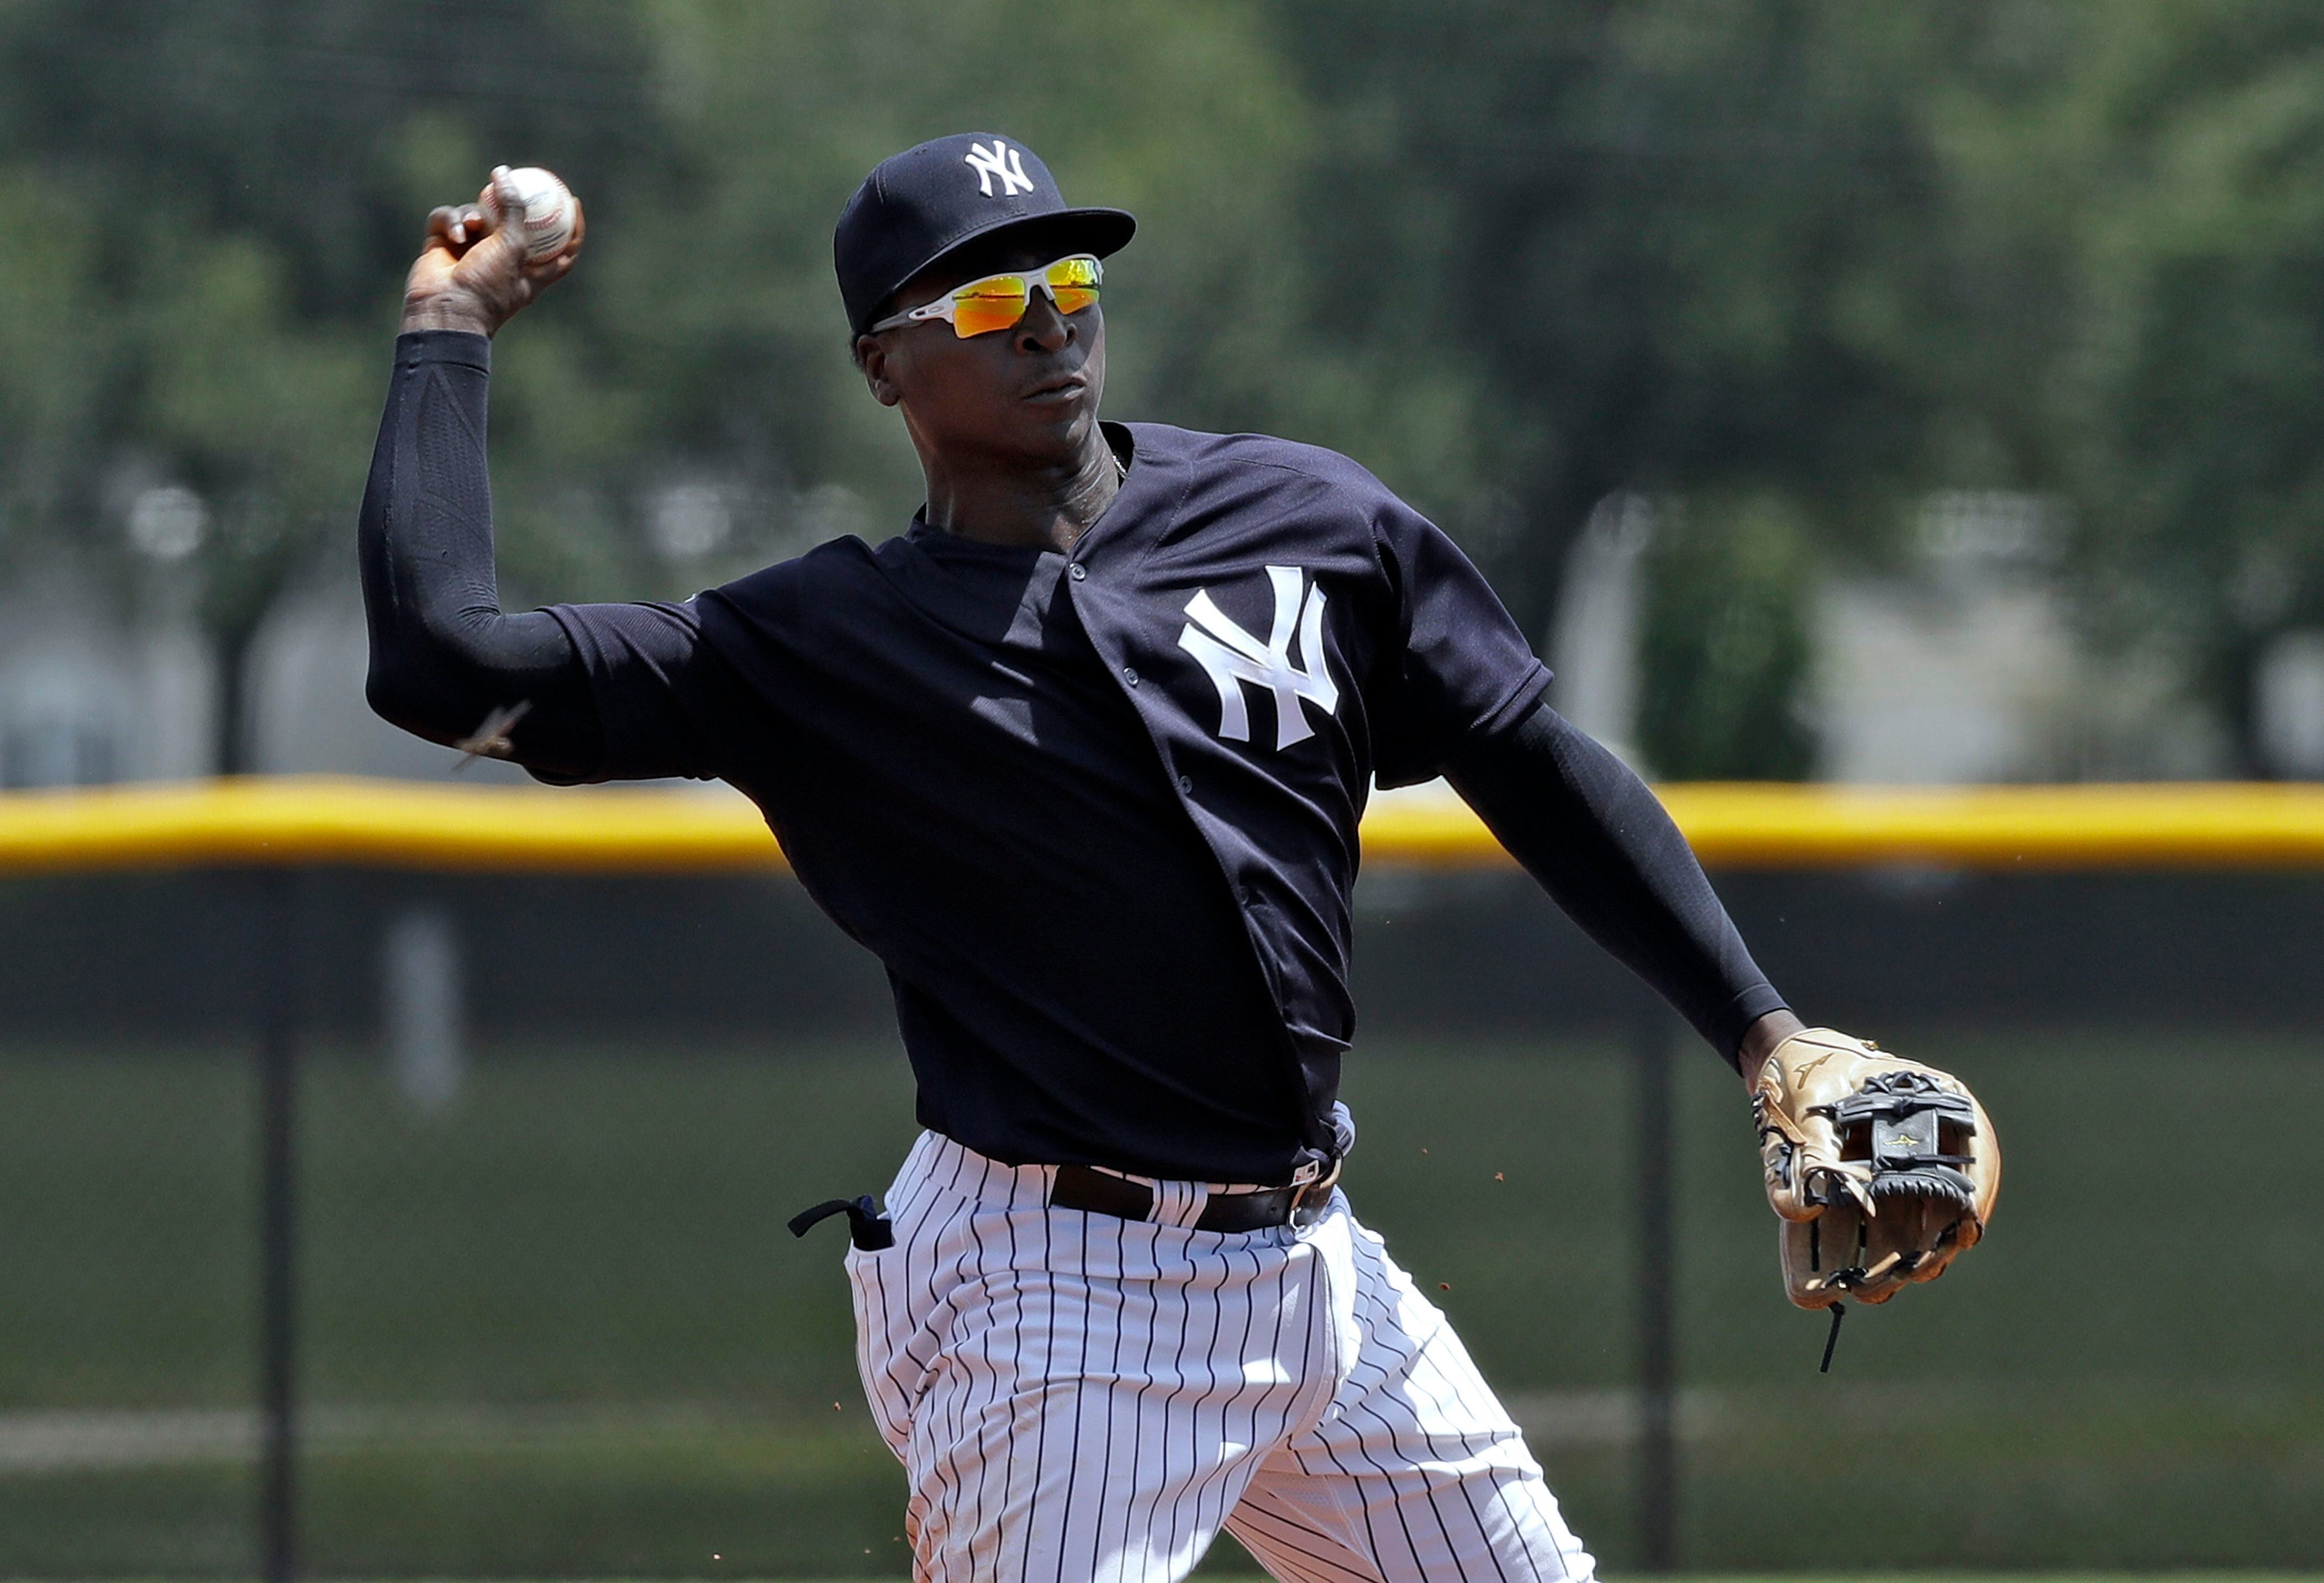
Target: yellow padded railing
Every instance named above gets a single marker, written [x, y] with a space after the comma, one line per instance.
[304, 821]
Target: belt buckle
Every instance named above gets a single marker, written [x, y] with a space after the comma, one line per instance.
[1317, 1190]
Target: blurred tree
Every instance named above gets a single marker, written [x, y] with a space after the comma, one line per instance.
[2154, 169]
[229, 193]
[1849, 253]
[717, 286]
[54, 350]
[1659, 245]
[249, 177]
[293, 119]
[1724, 652]
[1673, 244]
[1807, 253]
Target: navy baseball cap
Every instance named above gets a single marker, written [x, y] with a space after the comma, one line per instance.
[920, 205]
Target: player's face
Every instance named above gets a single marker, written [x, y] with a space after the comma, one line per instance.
[1027, 394]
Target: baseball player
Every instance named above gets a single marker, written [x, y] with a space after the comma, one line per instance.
[1080, 755]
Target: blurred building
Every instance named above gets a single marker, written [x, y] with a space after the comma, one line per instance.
[90, 692]
[1593, 650]
[1964, 665]
[2288, 704]
[1960, 665]
[96, 686]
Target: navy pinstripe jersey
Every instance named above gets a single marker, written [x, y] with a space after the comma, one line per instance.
[1096, 812]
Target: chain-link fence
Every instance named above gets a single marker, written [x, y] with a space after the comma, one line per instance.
[545, 1321]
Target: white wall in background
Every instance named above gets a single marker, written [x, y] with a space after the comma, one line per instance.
[68, 702]
[1915, 688]
[1966, 667]
[2288, 705]
[1593, 648]
[175, 682]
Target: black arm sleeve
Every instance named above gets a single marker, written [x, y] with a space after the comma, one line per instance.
[443, 654]
[1603, 848]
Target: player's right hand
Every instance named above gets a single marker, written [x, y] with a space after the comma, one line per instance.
[472, 276]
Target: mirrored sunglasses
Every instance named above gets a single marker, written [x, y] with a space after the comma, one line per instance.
[997, 302]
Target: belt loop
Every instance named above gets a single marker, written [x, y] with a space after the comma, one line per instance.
[1178, 1203]
[1313, 1197]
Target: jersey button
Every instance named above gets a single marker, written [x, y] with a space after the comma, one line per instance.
[1186, 784]
[1077, 571]
[1130, 676]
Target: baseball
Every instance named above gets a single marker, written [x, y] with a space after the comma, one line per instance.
[536, 205]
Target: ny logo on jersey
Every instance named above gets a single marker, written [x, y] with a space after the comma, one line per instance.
[1232, 658]
[1000, 160]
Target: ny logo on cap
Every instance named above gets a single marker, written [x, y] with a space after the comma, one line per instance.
[1232, 658]
[1000, 160]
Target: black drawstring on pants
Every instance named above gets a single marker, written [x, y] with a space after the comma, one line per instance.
[868, 1226]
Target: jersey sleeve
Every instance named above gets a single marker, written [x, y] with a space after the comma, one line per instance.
[1456, 666]
[662, 693]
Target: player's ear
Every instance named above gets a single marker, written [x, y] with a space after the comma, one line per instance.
[872, 357]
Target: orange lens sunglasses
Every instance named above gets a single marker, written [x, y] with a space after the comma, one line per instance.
[997, 302]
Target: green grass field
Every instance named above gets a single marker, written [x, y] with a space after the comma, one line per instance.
[558, 1330]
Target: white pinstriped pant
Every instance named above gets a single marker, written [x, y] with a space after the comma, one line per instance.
[1077, 1398]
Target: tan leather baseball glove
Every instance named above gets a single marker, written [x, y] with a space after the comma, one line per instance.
[1883, 1170]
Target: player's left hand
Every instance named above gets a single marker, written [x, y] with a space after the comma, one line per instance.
[472, 275]
[1883, 1170]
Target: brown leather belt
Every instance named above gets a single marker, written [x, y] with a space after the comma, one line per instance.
[1078, 1187]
